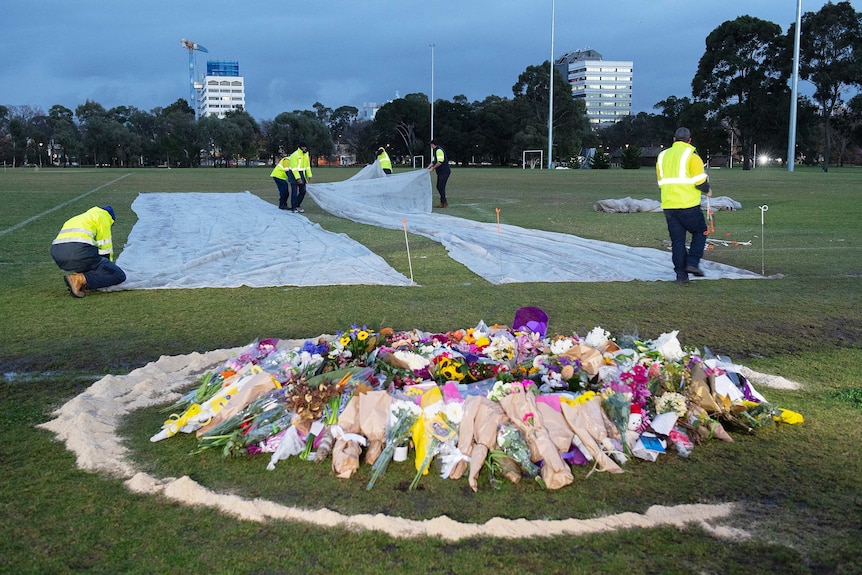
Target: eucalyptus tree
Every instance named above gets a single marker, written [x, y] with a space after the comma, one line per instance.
[288, 128]
[23, 129]
[405, 121]
[743, 77]
[345, 127]
[97, 132]
[67, 137]
[176, 135]
[531, 93]
[5, 138]
[497, 124]
[709, 132]
[249, 132]
[457, 129]
[830, 54]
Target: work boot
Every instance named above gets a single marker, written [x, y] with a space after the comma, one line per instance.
[77, 284]
[443, 204]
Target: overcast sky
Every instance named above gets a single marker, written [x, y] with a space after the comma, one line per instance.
[345, 52]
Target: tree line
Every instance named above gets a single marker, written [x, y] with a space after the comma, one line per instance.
[740, 103]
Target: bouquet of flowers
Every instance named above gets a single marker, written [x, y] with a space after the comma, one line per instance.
[616, 401]
[402, 417]
[440, 425]
[209, 384]
[309, 399]
[512, 445]
[637, 379]
[556, 373]
[290, 365]
[448, 367]
[671, 402]
[354, 344]
[502, 388]
[233, 434]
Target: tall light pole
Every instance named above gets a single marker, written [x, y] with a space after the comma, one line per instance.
[791, 138]
[432, 89]
[551, 95]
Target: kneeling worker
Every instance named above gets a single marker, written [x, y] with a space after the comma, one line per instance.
[84, 248]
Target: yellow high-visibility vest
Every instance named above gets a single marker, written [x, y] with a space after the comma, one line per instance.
[678, 170]
[93, 227]
[384, 160]
[279, 170]
[298, 162]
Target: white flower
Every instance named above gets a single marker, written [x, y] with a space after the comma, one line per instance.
[668, 345]
[454, 412]
[597, 338]
[561, 345]
[553, 379]
[500, 349]
[429, 411]
[427, 349]
[499, 390]
[413, 360]
[671, 402]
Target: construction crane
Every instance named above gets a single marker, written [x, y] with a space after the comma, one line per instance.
[192, 47]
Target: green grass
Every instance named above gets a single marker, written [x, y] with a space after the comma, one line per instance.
[798, 486]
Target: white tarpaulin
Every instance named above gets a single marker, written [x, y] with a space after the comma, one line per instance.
[509, 255]
[629, 205]
[198, 240]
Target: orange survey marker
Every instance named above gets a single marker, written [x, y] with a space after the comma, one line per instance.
[710, 219]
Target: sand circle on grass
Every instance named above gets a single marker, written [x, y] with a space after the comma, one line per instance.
[88, 424]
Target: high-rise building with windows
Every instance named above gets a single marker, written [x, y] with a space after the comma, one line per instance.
[221, 90]
[604, 85]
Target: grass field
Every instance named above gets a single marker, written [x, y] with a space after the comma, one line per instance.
[798, 487]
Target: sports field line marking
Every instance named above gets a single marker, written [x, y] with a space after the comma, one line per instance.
[63, 205]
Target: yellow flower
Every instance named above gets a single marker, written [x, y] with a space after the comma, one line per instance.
[451, 373]
[362, 335]
[345, 339]
[585, 397]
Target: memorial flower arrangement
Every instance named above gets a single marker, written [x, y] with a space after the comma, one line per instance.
[553, 400]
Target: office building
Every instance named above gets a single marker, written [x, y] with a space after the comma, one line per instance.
[221, 90]
[604, 85]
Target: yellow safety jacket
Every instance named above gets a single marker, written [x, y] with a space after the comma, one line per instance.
[384, 160]
[298, 162]
[279, 170]
[93, 227]
[678, 170]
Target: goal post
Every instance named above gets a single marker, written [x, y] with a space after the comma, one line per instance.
[420, 160]
[532, 157]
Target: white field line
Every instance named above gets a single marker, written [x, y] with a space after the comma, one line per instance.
[57, 207]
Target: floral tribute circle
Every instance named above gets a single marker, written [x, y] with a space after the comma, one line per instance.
[486, 403]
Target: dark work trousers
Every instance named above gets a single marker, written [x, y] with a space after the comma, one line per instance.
[679, 223]
[75, 257]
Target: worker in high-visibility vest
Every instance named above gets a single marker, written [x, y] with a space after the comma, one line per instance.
[279, 176]
[383, 159]
[440, 164]
[298, 174]
[84, 247]
[682, 179]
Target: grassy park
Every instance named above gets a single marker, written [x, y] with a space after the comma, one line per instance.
[796, 486]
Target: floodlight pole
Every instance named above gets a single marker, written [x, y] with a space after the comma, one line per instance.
[432, 89]
[791, 138]
[551, 94]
